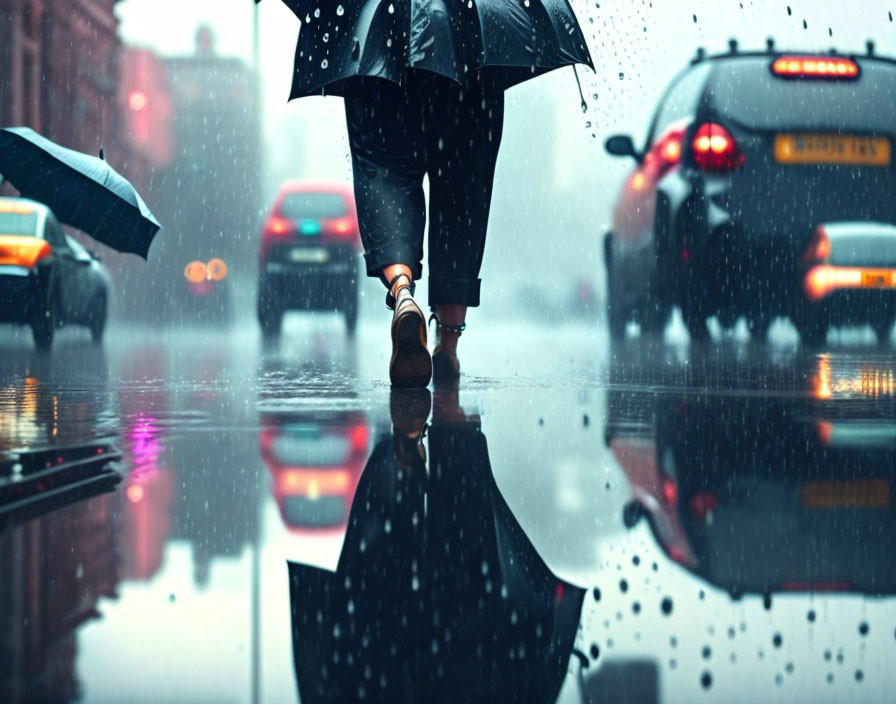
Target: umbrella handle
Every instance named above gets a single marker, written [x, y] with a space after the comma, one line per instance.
[579, 84]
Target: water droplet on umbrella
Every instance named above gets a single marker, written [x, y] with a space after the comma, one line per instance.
[316, 12]
[324, 63]
[326, 36]
[391, 9]
[340, 10]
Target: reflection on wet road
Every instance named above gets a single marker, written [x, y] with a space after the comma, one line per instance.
[194, 518]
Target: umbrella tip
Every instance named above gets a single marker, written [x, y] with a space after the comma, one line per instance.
[102, 153]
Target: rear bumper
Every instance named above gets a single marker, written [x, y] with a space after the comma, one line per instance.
[22, 295]
[310, 285]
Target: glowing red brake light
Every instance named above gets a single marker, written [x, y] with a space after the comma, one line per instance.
[815, 67]
[278, 226]
[819, 249]
[342, 226]
[715, 149]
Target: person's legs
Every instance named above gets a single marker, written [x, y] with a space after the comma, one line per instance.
[388, 164]
[461, 174]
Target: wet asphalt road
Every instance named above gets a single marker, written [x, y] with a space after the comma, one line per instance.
[646, 523]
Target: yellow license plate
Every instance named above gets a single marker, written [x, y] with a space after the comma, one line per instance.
[862, 493]
[832, 149]
[878, 279]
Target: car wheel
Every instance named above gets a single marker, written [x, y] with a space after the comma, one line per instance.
[883, 328]
[97, 325]
[813, 329]
[758, 325]
[695, 321]
[350, 312]
[270, 313]
[43, 327]
[617, 315]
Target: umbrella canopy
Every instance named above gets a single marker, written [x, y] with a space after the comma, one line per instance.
[515, 39]
[439, 596]
[83, 191]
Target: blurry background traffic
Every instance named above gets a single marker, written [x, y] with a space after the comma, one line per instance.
[189, 102]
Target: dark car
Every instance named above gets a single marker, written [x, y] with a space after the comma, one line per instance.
[47, 279]
[766, 188]
[757, 495]
[309, 254]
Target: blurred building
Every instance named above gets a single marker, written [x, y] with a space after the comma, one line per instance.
[147, 116]
[60, 70]
[208, 197]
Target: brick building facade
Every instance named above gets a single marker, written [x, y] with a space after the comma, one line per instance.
[60, 70]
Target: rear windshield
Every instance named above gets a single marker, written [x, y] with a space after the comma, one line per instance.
[318, 206]
[746, 91]
[18, 223]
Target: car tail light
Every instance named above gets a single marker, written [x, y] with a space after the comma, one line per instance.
[822, 280]
[196, 272]
[24, 251]
[342, 226]
[703, 503]
[360, 437]
[279, 227]
[819, 249]
[670, 491]
[824, 67]
[715, 149]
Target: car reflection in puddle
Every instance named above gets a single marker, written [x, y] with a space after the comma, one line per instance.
[783, 508]
[438, 594]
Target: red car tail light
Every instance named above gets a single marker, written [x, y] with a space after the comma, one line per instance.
[342, 226]
[703, 503]
[279, 227]
[825, 67]
[715, 149]
[819, 249]
[670, 491]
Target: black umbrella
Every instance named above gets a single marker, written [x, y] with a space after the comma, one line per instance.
[83, 191]
[439, 595]
[516, 39]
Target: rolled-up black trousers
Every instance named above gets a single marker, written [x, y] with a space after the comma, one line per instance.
[428, 126]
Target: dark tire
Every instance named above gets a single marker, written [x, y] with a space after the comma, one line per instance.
[43, 327]
[654, 316]
[695, 322]
[883, 328]
[350, 312]
[813, 329]
[98, 318]
[758, 325]
[617, 315]
[270, 314]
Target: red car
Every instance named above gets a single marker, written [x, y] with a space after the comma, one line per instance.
[309, 254]
[315, 461]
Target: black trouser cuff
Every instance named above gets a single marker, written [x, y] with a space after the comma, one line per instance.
[394, 252]
[454, 292]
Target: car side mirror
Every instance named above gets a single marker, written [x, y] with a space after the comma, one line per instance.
[622, 145]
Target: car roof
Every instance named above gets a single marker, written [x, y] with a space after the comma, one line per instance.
[760, 57]
[37, 206]
[339, 188]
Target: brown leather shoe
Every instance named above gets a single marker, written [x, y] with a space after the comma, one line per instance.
[411, 364]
